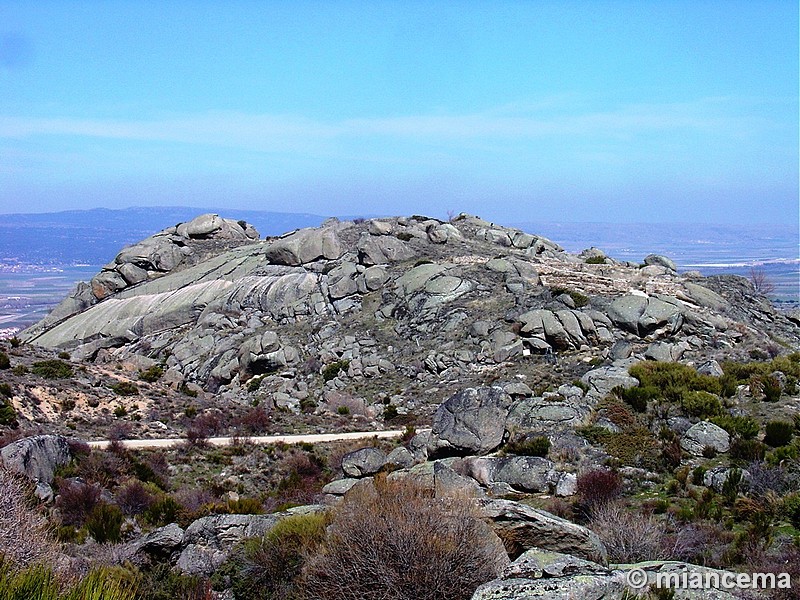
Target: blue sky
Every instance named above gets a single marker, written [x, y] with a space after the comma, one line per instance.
[661, 111]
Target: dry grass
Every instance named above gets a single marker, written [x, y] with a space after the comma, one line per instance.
[629, 536]
[24, 536]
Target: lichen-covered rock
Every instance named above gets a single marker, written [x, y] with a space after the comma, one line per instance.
[470, 422]
[37, 457]
[540, 573]
[705, 435]
[363, 462]
[533, 528]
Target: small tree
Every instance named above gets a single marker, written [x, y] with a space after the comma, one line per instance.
[761, 283]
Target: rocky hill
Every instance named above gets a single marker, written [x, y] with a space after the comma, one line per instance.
[656, 412]
[396, 312]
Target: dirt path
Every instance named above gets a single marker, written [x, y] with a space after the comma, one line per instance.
[266, 439]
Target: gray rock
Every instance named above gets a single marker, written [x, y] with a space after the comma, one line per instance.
[524, 473]
[661, 261]
[160, 542]
[363, 462]
[642, 315]
[401, 457]
[604, 379]
[704, 434]
[711, 368]
[664, 352]
[447, 482]
[470, 422]
[340, 487]
[304, 246]
[540, 573]
[715, 477]
[37, 457]
[533, 528]
[207, 542]
[567, 485]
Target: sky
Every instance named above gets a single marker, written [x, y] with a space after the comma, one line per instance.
[612, 111]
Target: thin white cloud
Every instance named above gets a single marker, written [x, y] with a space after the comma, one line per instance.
[292, 133]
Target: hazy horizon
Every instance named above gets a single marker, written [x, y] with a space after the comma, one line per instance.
[592, 111]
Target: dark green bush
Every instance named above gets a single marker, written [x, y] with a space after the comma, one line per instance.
[254, 384]
[747, 450]
[52, 369]
[125, 388]
[701, 404]
[638, 397]
[8, 416]
[161, 582]
[5, 362]
[15, 342]
[771, 388]
[532, 446]
[596, 260]
[782, 454]
[163, 511]
[63, 355]
[404, 236]
[332, 370]
[5, 390]
[105, 523]
[152, 374]
[745, 428]
[790, 509]
[778, 433]
[343, 410]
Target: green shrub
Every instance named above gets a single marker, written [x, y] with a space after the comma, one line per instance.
[778, 433]
[782, 454]
[52, 369]
[163, 511]
[254, 384]
[390, 412]
[790, 509]
[8, 416]
[5, 362]
[270, 566]
[701, 404]
[20, 370]
[245, 506]
[120, 411]
[730, 487]
[5, 390]
[771, 388]
[343, 410]
[125, 388]
[747, 450]
[15, 342]
[673, 379]
[105, 523]
[532, 446]
[578, 299]
[745, 428]
[404, 236]
[638, 397]
[63, 355]
[333, 369]
[152, 374]
[796, 421]
[596, 260]
[161, 582]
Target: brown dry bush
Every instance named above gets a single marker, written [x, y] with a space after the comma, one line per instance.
[24, 538]
[395, 541]
[630, 536]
